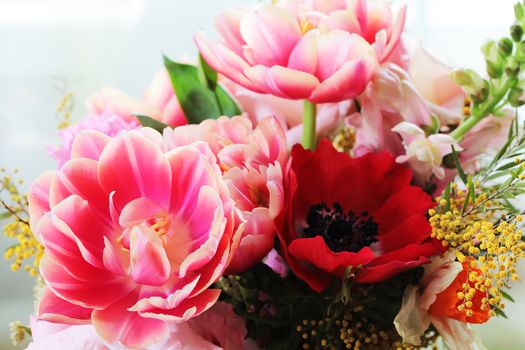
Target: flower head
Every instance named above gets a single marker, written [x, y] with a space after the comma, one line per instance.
[359, 212]
[424, 154]
[300, 50]
[133, 235]
[253, 161]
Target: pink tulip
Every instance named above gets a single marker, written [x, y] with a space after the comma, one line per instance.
[52, 336]
[431, 77]
[253, 161]
[133, 235]
[289, 113]
[159, 102]
[292, 50]
[219, 328]
[487, 136]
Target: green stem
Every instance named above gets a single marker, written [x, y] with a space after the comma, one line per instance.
[487, 109]
[309, 115]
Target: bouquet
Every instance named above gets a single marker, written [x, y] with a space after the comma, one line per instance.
[315, 179]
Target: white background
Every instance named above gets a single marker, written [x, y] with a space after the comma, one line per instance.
[91, 43]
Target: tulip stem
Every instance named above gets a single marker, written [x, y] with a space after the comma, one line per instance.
[309, 116]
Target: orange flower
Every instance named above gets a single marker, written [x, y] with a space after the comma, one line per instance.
[447, 302]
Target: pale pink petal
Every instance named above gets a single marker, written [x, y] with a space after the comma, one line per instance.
[224, 60]
[189, 308]
[256, 243]
[304, 55]
[54, 309]
[282, 81]
[149, 262]
[205, 234]
[270, 32]
[116, 259]
[183, 289]
[348, 82]
[89, 294]
[79, 177]
[134, 167]
[38, 198]
[140, 210]
[89, 144]
[191, 171]
[116, 324]
[395, 34]
[228, 25]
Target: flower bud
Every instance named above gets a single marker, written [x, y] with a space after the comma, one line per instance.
[472, 83]
[516, 97]
[516, 32]
[505, 47]
[493, 59]
[519, 11]
[512, 67]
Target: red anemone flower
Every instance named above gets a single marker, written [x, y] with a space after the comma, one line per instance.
[361, 212]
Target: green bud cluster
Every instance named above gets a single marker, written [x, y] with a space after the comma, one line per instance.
[505, 81]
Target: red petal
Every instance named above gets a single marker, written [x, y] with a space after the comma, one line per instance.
[315, 251]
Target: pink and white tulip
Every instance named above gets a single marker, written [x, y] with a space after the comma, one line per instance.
[219, 328]
[293, 50]
[253, 161]
[424, 154]
[159, 102]
[289, 113]
[134, 236]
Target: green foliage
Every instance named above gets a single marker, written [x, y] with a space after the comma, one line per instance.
[151, 123]
[198, 93]
[274, 306]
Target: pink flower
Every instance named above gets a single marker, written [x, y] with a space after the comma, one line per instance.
[431, 77]
[159, 102]
[487, 136]
[216, 329]
[133, 235]
[414, 318]
[293, 50]
[110, 125]
[52, 336]
[253, 161]
[330, 116]
[424, 154]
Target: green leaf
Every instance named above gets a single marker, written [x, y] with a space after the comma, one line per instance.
[228, 106]
[5, 215]
[446, 196]
[506, 166]
[461, 172]
[207, 75]
[500, 313]
[506, 296]
[197, 100]
[151, 123]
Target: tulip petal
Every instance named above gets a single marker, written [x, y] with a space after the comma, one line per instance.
[89, 144]
[270, 32]
[54, 309]
[282, 81]
[134, 167]
[187, 309]
[38, 198]
[149, 263]
[116, 324]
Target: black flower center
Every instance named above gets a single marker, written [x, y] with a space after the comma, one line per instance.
[341, 231]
